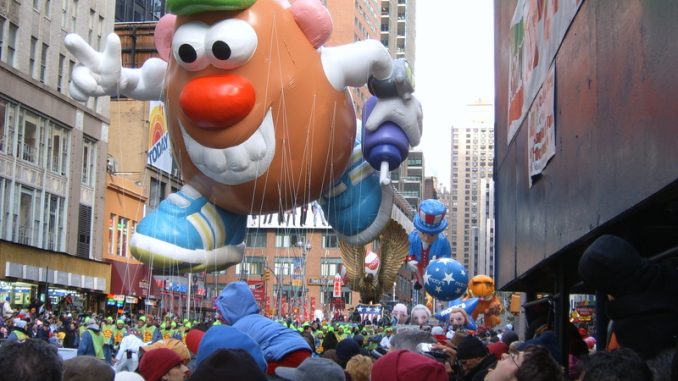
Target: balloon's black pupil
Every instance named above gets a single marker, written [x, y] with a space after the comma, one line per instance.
[221, 50]
[187, 53]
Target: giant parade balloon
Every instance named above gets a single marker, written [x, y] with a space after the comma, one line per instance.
[260, 121]
[445, 279]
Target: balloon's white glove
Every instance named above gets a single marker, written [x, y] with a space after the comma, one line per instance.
[406, 113]
[96, 74]
[412, 265]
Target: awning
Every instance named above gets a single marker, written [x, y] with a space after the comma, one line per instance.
[129, 279]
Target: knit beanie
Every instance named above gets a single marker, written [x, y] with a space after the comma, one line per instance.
[403, 365]
[346, 349]
[193, 339]
[156, 363]
[471, 347]
[228, 364]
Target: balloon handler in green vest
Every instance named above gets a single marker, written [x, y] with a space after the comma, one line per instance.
[92, 342]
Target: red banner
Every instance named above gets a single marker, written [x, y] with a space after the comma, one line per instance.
[258, 289]
[336, 291]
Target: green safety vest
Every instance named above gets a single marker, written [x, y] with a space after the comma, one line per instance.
[148, 333]
[98, 342]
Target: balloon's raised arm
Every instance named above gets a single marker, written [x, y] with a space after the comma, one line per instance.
[100, 73]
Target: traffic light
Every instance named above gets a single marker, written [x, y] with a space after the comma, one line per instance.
[266, 275]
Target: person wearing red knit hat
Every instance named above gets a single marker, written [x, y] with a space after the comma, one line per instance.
[162, 364]
[403, 365]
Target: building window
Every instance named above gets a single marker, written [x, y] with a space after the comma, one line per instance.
[329, 267]
[287, 266]
[24, 218]
[255, 239]
[60, 76]
[112, 223]
[251, 266]
[89, 152]
[47, 11]
[11, 43]
[2, 36]
[84, 231]
[5, 133]
[157, 192]
[31, 58]
[283, 239]
[58, 149]
[122, 234]
[53, 222]
[90, 33]
[330, 240]
[29, 137]
[43, 63]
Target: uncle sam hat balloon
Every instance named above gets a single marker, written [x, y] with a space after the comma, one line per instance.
[430, 218]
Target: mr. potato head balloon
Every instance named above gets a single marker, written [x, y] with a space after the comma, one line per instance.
[260, 121]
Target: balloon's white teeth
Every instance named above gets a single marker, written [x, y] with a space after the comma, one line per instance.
[239, 164]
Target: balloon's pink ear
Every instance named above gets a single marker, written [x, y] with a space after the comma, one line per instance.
[313, 19]
[164, 31]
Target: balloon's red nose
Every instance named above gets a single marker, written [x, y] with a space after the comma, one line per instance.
[217, 101]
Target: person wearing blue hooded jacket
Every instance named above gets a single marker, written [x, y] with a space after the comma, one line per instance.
[281, 346]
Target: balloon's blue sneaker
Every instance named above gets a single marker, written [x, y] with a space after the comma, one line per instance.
[189, 234]
[358, 207]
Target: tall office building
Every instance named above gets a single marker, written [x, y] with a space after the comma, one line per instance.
[471, 214]
[52, 156]
[398, 28]
[408, 179]
[354, 21]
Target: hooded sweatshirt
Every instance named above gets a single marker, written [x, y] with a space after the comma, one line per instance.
[239, 309]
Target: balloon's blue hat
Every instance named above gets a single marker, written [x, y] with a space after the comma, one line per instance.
[430, 218]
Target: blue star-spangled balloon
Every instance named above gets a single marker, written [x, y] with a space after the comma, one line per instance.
[445, 279]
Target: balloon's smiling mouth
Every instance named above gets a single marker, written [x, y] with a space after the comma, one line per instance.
[235, 165]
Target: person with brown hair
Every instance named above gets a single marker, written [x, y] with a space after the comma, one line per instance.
[533, 364]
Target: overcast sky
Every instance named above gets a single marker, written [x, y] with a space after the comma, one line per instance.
[454, 65]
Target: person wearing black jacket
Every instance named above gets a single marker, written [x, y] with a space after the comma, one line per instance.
[474, 358]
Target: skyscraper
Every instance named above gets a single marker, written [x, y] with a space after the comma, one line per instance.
[471, 230]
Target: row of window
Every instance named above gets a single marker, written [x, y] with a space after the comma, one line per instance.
[286, 266]
[257, 239]
[42, 142]
[32, 216]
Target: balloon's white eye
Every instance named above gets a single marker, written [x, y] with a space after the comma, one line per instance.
[188, 46]
[231, 43]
